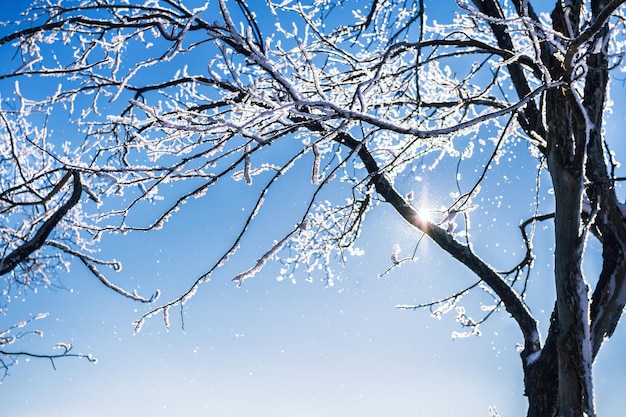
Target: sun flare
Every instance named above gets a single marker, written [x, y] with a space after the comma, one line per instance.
[426, 214]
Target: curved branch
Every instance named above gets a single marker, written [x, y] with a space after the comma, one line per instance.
[511, 300]
[91, 262]
[26, 249]
[507, 55]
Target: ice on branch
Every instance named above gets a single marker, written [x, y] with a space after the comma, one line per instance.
[166, 317]
[247, 164]
[394, 254]
[65, 346]
[262, 261]
[316, 177]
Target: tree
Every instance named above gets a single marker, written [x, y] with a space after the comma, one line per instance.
[167, 100]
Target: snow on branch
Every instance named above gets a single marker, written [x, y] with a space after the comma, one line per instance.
[13, 334]
[263, 260]
[21, 253]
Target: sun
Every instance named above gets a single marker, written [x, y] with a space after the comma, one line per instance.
[426, 214]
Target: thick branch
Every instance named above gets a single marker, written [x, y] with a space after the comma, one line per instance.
[26, 249]
[462, 253]
[609, 296]
[532, 114]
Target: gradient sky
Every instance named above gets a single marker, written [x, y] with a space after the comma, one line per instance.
[275, 348]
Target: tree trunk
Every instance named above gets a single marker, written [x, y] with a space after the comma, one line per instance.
[558, 380]
[541, 379]
[567, 142]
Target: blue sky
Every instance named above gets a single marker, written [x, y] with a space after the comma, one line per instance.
[277, 349]
[267, 348]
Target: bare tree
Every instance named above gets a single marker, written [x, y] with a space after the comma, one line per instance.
[167, 100]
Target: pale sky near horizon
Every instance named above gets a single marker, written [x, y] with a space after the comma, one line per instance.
[275, 348]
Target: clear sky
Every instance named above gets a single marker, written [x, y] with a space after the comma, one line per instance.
[275, 348]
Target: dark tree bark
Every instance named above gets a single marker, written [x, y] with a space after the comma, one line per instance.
[22, 252]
